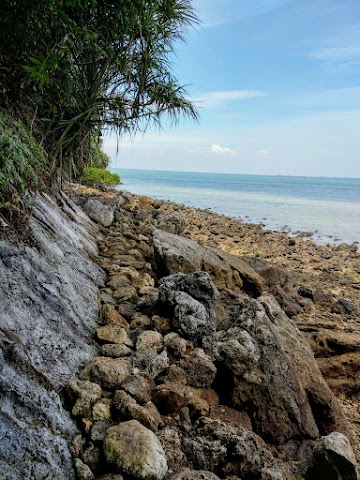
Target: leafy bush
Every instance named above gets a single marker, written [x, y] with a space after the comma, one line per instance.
[22, 165]
[99, 176]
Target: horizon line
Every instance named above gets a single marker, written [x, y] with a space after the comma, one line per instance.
[236, 173]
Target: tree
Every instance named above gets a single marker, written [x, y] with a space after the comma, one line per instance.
[74, 67]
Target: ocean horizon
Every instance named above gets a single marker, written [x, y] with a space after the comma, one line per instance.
[328, 207]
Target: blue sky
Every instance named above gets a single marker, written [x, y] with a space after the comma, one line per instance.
[277, 83]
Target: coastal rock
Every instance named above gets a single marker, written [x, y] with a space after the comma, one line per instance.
[276, 380]
[126, 408]
[84, 394]
[190, 300]
[107, 372]
[48, 315]
[114, 334]
[136, 451]
[226, 450]
[171, 222]
[83, 472]
[333, 459]
[199, 369]
[175, 254]
[187, 474]
[99, 212]
[139, 386]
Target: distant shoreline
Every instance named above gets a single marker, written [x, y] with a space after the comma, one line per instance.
[325, 210]
[232, 173]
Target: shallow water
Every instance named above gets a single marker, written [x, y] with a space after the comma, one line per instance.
[327, 207]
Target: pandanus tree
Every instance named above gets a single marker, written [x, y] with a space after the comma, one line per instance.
[86, 65]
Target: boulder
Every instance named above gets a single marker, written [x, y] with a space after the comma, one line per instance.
[108, 372]
[226, 450]
[334, 459]
[175, 254]
[190, 300]
[135, 450]
[271, 374]
[99, 212]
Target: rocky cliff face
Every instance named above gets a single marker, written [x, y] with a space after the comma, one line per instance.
[48, 313]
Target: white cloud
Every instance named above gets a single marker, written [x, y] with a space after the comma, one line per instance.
[342, 51]
[216, 148]
[214, 99]
[263, 153]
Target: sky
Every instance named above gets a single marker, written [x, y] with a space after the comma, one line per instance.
[277, 84]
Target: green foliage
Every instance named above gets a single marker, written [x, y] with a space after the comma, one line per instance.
[72, 68]
[96, 157]
[99, 176]
[22, 163]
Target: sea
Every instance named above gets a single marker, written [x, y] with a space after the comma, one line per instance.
[325, 209]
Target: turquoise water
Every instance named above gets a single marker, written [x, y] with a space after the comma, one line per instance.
[328, 207]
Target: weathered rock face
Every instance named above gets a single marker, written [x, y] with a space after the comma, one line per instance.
[48, 314]
[276, 379]
[175, 254]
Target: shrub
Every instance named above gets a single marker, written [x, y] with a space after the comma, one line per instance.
[99, 176]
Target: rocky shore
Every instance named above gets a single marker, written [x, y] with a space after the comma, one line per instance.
[203, 371]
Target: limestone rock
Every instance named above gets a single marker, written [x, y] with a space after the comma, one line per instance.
[136, 451]
[112, 316]
[99, 212]
[84, 394]
[199, 368]
[333, 458]
[175, 254]
[114, 334]
[150, 339]
[115, 350]
[126, 408]
[171, 442]
[139, 387]
[125, 294]
[83, 472]
[187, 474]
[189, 300]
[218, 447]
[276, 380]
[108, 372]
[147, 360]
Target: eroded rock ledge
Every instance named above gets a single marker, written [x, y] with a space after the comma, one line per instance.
[202, 375]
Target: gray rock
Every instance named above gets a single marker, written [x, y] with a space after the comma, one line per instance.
[136, 451]
[175, 254]
[333, 458]
[99, 212]
[187, 474]
[147, 360]
[48, 315]
[190, 300]
[276, 379]
[219, 447]
[83, 472]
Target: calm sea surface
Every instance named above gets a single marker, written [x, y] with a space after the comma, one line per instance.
[328, 207]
